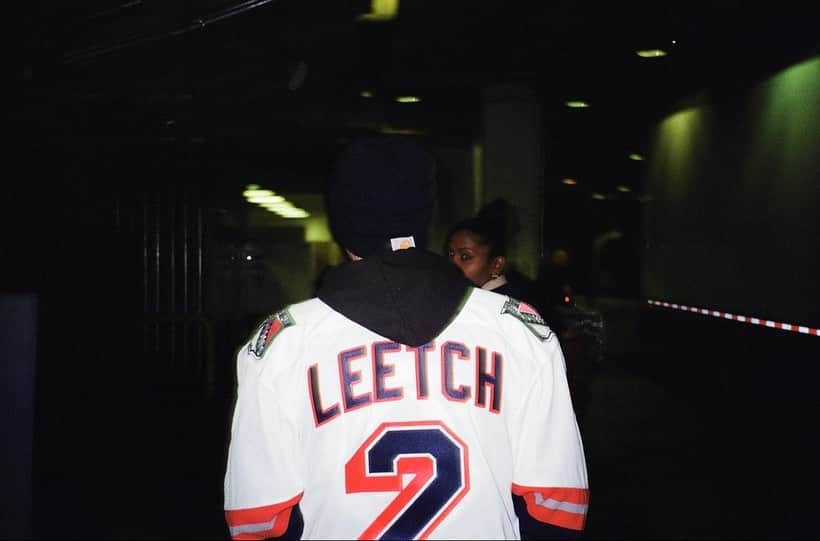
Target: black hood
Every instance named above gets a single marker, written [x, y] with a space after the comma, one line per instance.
[408, 296]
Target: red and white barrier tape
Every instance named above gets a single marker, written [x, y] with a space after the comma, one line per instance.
[734, 317]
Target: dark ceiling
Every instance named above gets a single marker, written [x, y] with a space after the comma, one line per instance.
[277, 82]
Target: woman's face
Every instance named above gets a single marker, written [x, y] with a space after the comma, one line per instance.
[467, 251]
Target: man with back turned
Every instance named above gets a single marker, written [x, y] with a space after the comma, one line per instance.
[401, 402]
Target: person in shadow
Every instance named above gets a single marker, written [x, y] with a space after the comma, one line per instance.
[478, 246]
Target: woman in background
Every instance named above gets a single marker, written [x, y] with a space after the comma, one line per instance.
[478, 246]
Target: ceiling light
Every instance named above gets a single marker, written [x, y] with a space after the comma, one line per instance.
[256, 193]
[598, 196]
[381, 10]
[266, 199]
[576, 104]
[650, 53]
[278, 205]
[569, 181]
[295, 213]
[636, 157]
[366, 94]
[252, 187]
[623, 189]
[408, 99]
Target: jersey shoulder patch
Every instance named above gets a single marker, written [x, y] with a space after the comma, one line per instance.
[529, 316]
[271, 327]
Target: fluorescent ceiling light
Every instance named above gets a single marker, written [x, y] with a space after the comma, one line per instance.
[569, 181]
[577, 104]
[280, 205]
[257, 193]
[266, 199]
[366, 94]
[408, 99]
[636, 157]
[651, 53]
[598, 196]
[623, 189]
[295, 213]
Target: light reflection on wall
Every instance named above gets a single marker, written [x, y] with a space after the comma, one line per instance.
[734, 186]
[677, 148]
[317, 230]
[787, 105]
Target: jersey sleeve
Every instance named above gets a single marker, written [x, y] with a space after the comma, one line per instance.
[263, 481]
[549, 470]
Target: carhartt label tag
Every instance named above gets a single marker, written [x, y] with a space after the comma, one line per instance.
[402, 243]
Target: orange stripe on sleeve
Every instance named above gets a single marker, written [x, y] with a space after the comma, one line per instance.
[565, 507]
[260, 522]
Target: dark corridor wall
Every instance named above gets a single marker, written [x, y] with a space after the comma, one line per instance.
[114, 239]
[734, 186]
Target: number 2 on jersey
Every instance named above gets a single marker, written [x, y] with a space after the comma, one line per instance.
[430, 452]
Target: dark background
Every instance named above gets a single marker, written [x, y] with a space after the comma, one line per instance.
[132, 128]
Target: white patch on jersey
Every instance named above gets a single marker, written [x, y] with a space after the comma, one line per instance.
[272, 326]
[529, 316]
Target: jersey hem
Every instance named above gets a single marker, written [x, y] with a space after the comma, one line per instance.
[559, 506]
[260, 522]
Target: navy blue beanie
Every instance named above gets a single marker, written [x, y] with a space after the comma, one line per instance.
[381, 189]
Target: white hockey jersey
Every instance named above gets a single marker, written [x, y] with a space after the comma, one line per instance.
[374, 439]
